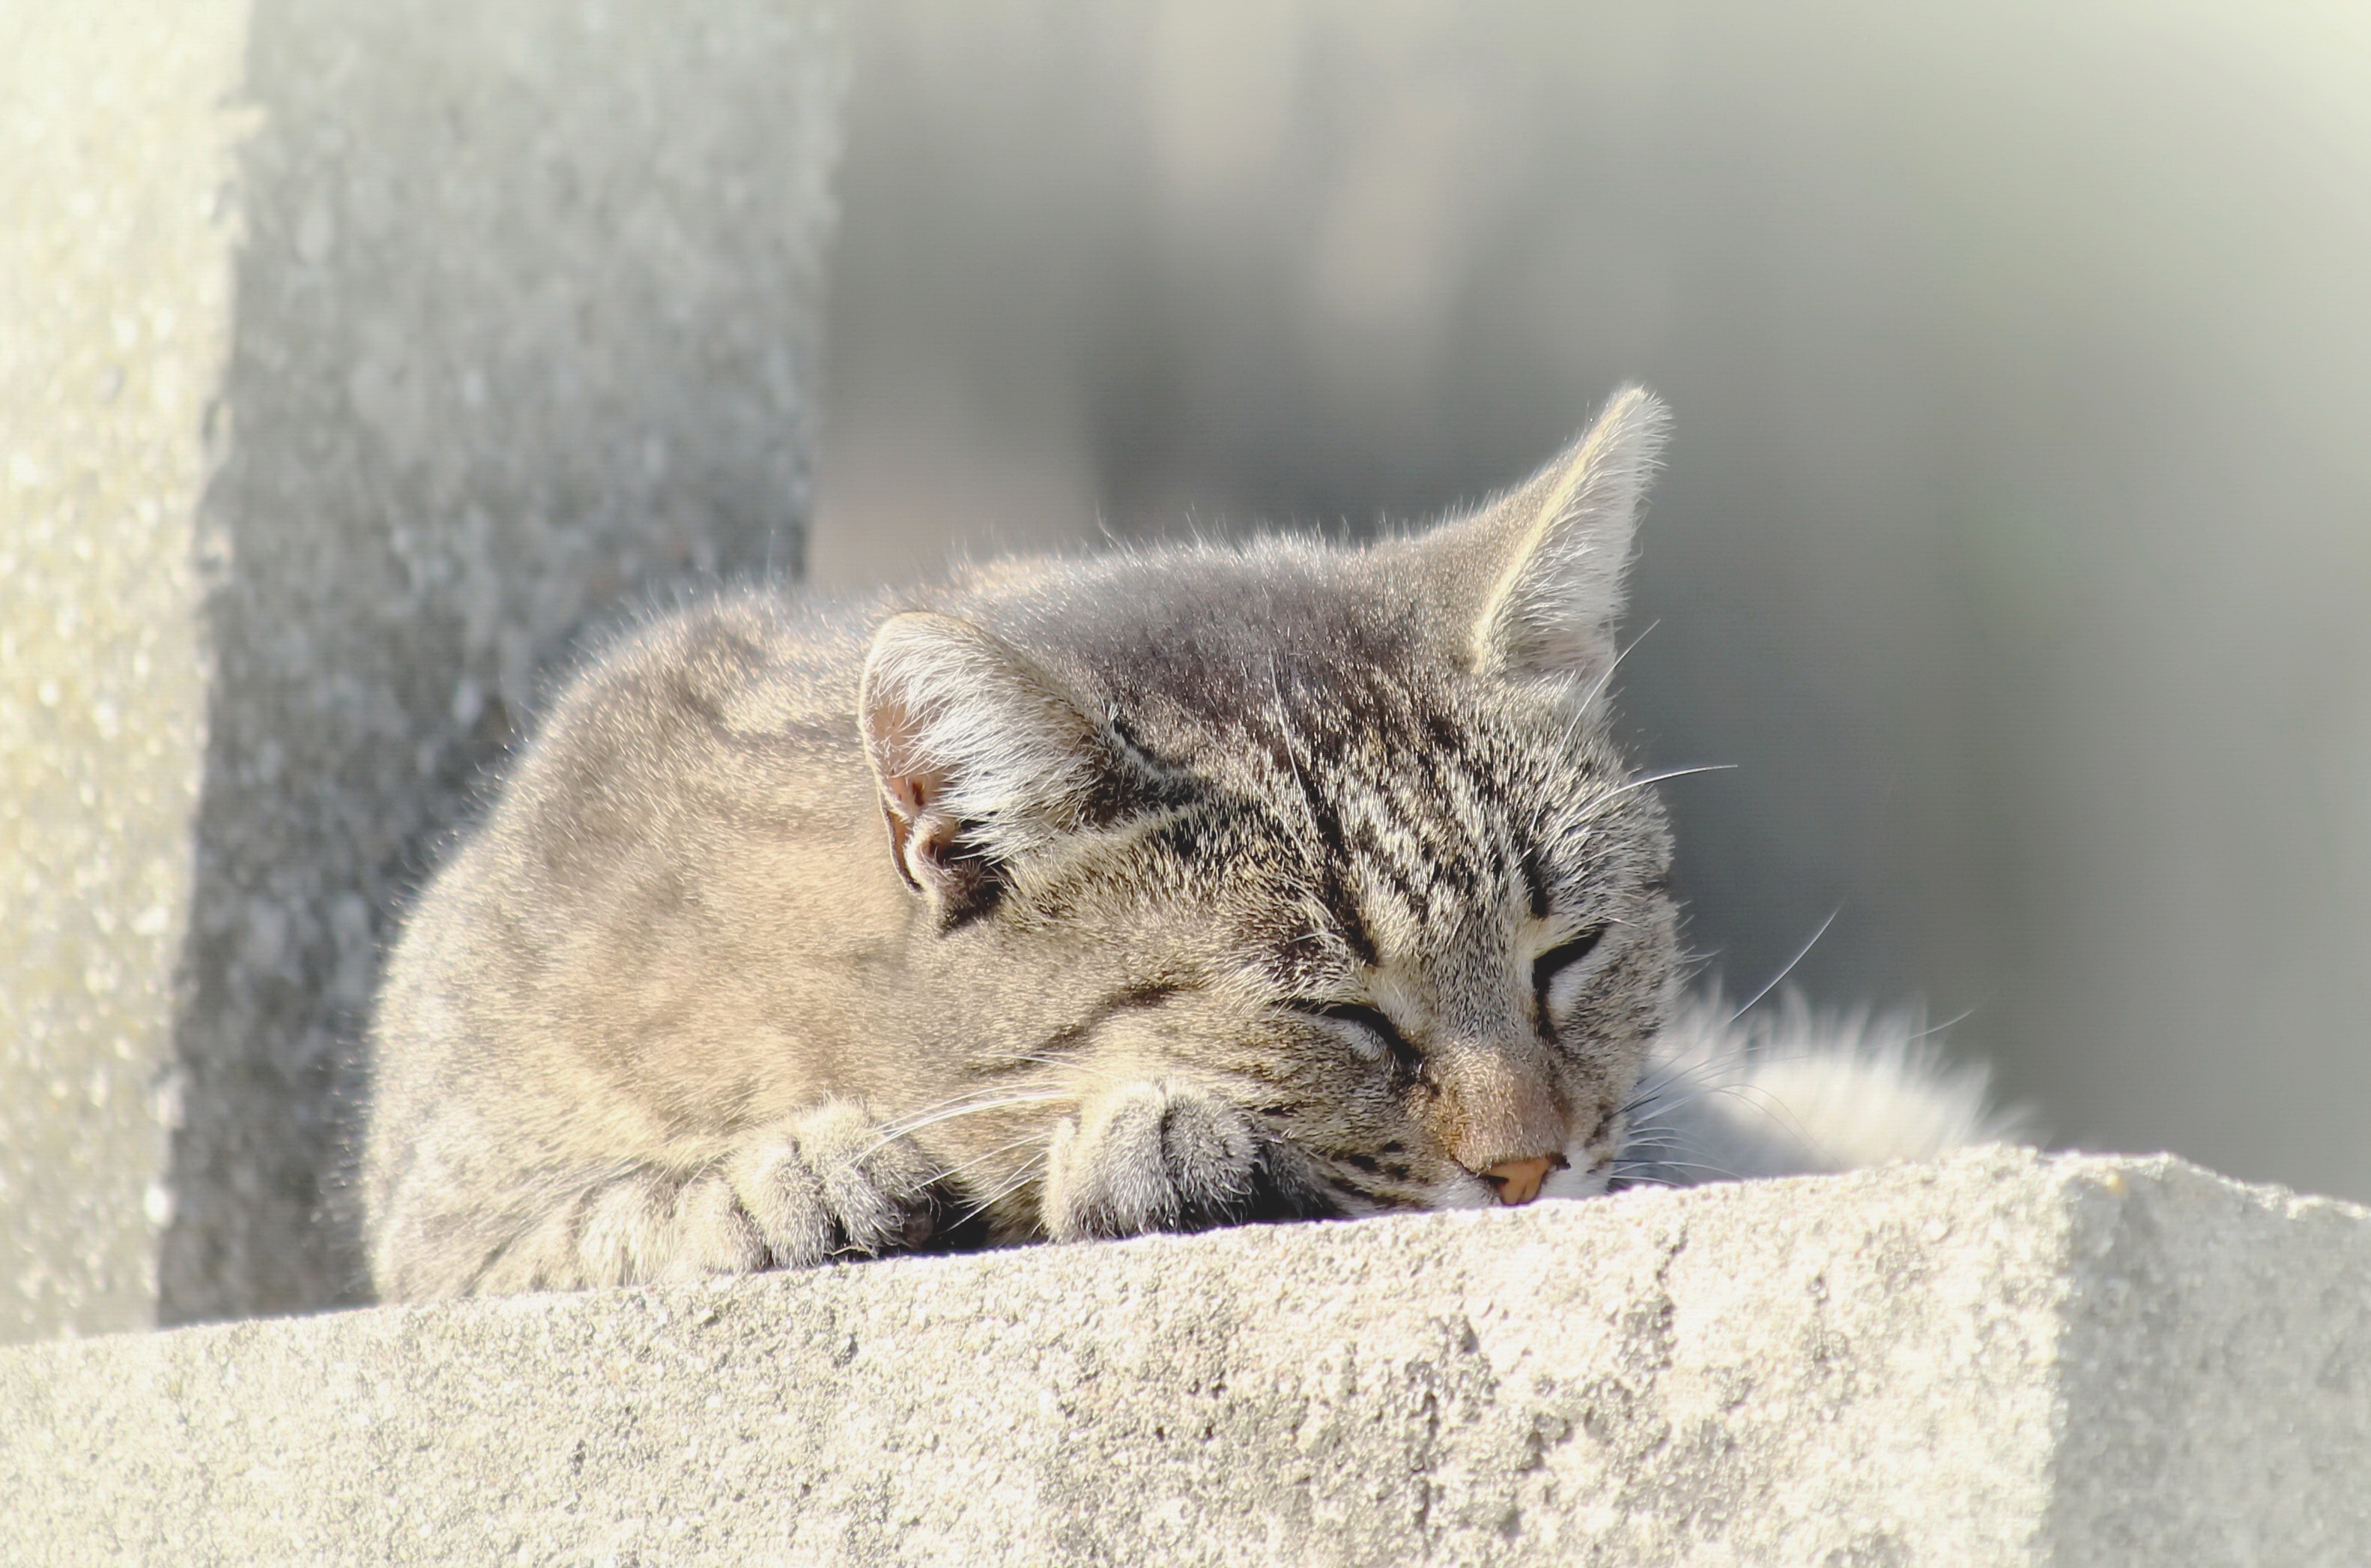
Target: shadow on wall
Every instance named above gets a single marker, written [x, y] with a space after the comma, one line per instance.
[523, 328]
[2017, 533]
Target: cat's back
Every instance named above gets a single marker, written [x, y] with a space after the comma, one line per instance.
[694, 805]
[730, 709]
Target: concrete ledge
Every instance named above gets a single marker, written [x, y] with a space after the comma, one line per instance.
[2002, 1359]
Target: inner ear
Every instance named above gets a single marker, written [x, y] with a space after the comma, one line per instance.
[906, 796]
[922, 832]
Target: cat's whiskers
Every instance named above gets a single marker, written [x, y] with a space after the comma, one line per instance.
[1023, 1175]
[1801, 954]
[950, 1111]
[1037, 1058]
[1583, 715]
[1625, 1170]
[956, 1170]
[1954, 1021]
[1626, 785]
[1757, 1096]
[1597, 690]
[1696, 1084]
[1698, 1081]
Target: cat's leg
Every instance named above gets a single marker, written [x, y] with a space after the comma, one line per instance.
[825, 1183]
[1155, 1155]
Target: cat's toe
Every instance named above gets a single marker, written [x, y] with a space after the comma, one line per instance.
[876, 1186]
[629, 1232]
[1150, 1156]
[712, 1233]
[830, 1184]
[783, 1198]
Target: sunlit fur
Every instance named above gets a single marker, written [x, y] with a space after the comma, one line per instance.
[1153, 891]
[1353, 823]
[1786, 1090]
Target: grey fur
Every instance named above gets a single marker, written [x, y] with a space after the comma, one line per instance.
[1054, 903]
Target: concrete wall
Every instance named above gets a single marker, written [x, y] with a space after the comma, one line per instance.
[360, 356]
[116, 277]
[1999, 1360]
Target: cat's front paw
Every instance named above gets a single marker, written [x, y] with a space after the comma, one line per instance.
[829, 1182]
[1151, 1156]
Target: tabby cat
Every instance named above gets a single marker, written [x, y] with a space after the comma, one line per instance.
[1154, 891]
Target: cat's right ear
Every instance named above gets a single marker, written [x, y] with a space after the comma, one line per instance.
[979, 755]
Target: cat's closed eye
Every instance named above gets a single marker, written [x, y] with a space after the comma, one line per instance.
[1370, 1029]
[1561, 960]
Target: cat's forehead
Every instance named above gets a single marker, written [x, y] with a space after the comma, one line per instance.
[1423, 817]
[1437, 811]
[1322, 697]
[1212, 631]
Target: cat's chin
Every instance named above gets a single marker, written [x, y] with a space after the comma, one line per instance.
[1461, 1193]
[1584, 1176]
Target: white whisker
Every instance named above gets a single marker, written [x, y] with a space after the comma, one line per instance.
[1606, 680]
[1021, 1178]
[1626, 785]
[894, 1130]
[1634, 1167]
[1801, 954]
[956, 1170]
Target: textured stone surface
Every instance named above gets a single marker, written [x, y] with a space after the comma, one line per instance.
[2003, 1359]
[115, 283]
[361, 355]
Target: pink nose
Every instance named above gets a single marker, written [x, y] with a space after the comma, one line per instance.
[1518, 1182]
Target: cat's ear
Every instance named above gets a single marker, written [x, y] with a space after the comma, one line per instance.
[1553, 550]
[980, 754]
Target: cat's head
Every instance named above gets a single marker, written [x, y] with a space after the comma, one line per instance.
[1332, 836]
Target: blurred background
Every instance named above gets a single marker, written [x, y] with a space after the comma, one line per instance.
[2016, 541]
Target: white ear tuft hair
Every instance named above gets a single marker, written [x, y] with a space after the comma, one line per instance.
[980, 754]
[1564, 540]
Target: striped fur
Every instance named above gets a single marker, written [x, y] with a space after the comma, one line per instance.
[1069, 898]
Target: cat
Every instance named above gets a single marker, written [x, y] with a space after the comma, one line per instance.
[1158, 891]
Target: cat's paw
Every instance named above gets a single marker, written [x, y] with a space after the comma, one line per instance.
[827, 1183]
[1150, 1155]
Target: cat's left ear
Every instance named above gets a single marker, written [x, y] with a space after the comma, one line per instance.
[1553, 552]
[980, 755]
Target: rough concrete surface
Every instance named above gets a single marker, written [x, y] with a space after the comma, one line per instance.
[361, 357]
[2004, 1359]
[115, 282]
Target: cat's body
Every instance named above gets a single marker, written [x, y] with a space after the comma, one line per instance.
[1152, 892]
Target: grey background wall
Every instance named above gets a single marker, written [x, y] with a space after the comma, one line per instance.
[358, 361]
[2016, 544]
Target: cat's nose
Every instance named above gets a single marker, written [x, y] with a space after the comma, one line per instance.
[1518, 1182]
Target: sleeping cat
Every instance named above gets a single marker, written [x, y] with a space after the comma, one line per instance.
[1154, 891]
